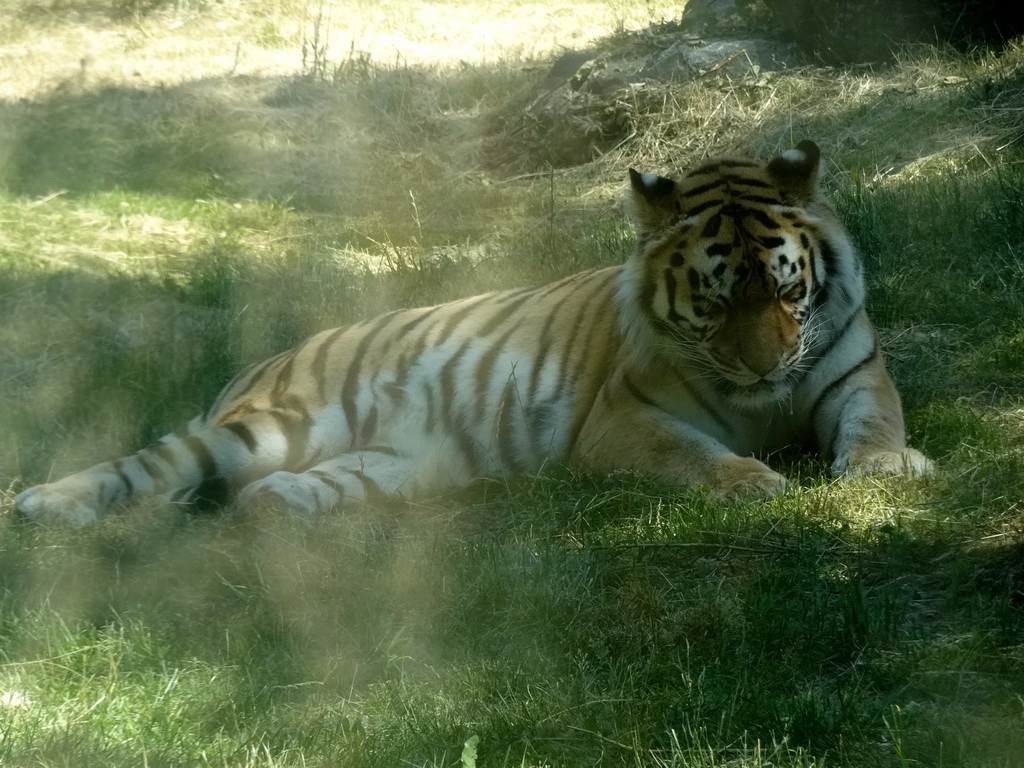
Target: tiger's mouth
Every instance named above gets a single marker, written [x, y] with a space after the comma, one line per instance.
[759, 394]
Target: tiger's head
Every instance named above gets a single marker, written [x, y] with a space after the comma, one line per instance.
[735, 263]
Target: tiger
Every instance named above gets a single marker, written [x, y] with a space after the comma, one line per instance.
[736, 329]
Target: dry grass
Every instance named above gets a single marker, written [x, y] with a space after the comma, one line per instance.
[47, 44]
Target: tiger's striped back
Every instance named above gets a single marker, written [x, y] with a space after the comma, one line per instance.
[494, 384]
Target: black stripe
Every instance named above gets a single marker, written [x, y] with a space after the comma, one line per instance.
[506, 437]
[329, 481]
[837, 383]
[215, 402]
[244, 434]
[705, 405]
[452, 322]
[670, 290]
[552, 287]
[702, 207]
[500, 317]
[760, 200]
[840, 332]
[108, 494]
[484, 369]
[258, 369]
[294, 425]
[416, 321]
[819, 293]
[574, 336]
[448, 381]
[212, 408]
[369, 426]
[546, 337]
[164, 451]
[831, 449]
[542, 353]
[675, 331]
[517, 293]
[320, 363]
[829, 258]
[396, 393]
[126, 481]
[712, 226]
[748, 181]
[604, 325]
[154, 470]
[761, 217]
[451, 420]
[408, 359]
[634, 390]
[431, 417]
[202, 455]
[348, 391]
[372, 492]
[182, 494]
[819, 354]
[284, 376]
[539, 426]
[707, 187]
[297, 404]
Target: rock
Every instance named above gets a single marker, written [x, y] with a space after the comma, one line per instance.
[588, 101]
[687, 59]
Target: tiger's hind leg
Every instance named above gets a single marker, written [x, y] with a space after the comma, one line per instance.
[179, 466]
[366, 475]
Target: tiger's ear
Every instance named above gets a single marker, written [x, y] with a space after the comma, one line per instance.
[652, 203]
[795, 172]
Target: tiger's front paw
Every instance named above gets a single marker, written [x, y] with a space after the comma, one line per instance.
[906, 462]
[302, 493]
[45, 504]
[743, 479]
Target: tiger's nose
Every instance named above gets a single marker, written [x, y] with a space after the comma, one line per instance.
[760, 362]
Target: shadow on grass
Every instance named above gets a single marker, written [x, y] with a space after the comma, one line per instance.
[384, 146]
[553, 633]
[375, 134]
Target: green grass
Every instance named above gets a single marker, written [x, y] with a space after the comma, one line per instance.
[154, 240]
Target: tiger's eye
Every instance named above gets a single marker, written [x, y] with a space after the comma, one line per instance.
[792, 293]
